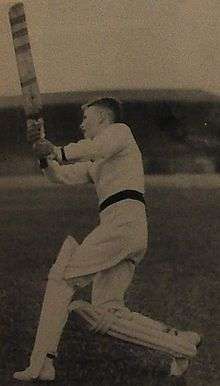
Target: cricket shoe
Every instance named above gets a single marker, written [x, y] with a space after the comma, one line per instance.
[189, 336]
[47, 373]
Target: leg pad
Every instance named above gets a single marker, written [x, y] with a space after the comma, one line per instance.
[132, 327]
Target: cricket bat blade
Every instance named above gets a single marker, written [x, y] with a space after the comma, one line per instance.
[26, 70]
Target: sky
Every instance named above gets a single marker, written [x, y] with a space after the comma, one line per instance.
[81, 45]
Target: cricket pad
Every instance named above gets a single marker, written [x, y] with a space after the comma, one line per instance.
[123, 342]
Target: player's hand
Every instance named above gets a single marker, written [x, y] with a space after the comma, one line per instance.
[44, 148]
[35, 130]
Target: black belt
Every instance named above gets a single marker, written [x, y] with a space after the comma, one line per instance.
[122, 195]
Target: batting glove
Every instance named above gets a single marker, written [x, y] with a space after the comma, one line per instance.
[35, 130]
[44, 148]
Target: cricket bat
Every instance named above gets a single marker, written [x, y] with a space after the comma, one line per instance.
[29, 86]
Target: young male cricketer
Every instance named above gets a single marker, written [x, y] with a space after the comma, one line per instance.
[109, 158]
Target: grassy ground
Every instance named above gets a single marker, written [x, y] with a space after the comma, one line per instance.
[176, 283]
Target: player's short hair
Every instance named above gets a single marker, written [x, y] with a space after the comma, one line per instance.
[110, 104]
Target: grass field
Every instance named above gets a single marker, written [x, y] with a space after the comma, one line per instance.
[176, 282]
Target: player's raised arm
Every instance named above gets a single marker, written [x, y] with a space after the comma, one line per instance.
[49, 157]
[72, 174]
[105, 145]
[104, 135]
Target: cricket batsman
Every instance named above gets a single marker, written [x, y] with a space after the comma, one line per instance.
[109, 158]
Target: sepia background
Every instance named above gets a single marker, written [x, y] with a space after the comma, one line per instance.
[161, 58]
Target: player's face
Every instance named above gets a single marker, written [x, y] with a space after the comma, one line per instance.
[91, 121]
